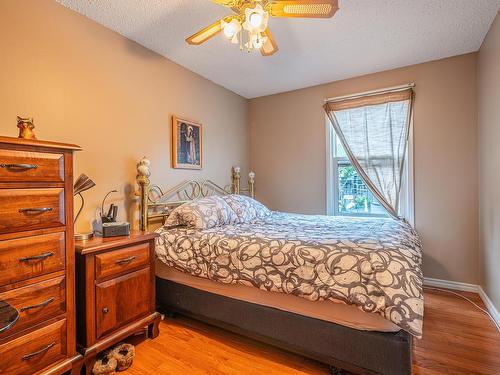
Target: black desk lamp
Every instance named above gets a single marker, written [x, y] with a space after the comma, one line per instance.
[83, 183]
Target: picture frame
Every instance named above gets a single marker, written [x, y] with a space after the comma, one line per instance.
[187, 144]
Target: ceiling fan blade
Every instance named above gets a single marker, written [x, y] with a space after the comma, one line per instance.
[303, 8]
[205, 34]
[270, 46]
[226, 3]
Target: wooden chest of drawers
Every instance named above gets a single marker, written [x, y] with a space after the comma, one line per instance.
[37, 257]
[115, 291]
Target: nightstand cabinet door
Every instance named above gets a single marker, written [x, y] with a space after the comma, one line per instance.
[121, 300]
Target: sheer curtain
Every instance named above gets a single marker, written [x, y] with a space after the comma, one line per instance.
[373, 130]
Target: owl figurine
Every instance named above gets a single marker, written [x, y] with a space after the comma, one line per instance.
[26, 127]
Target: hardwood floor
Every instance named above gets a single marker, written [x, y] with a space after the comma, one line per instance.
[458, 340]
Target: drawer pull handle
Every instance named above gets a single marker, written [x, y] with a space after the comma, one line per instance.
[105, 310]
[19, 166]
[36, 257]
[42, 304]
[35, 209]
[38, 352]
[126, 260]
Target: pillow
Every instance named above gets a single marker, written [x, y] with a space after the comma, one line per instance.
[246, 208]
[202, 213]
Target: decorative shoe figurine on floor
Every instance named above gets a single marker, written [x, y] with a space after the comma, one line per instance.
[105, 365]
[119, 358]
[124, 355]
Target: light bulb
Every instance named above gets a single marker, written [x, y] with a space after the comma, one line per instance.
[255, 19]
[229, 30]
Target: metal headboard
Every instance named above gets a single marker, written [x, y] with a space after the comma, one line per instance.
[156, 204]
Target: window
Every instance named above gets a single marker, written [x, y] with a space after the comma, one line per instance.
[351, 196]
[348, 195]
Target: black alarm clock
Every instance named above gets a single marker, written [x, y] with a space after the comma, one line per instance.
[114, 229]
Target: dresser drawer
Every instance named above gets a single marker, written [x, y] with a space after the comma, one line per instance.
[118, 261]
[34, 351]
[27, 257]
[28, 166]
[36, 303]
[26, 209]
[121, 300]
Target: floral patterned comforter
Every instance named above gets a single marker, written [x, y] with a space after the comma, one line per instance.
[372, 263]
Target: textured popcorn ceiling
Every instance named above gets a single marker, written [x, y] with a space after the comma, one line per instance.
[365, 36]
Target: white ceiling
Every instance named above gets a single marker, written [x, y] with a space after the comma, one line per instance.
[365, 36]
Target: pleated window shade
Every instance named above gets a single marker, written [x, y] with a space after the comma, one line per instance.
[366, 100]
[373, 129]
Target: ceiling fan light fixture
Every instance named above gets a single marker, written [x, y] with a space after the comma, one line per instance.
[248, 25]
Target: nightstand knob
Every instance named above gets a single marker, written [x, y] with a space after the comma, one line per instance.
[105, 310]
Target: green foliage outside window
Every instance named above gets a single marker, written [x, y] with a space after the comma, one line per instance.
[353, 194]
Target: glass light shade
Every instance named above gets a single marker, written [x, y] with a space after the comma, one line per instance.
[256, 19]
[231, 29]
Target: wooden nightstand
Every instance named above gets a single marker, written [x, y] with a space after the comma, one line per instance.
[115, 291]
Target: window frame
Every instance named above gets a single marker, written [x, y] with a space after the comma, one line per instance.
[407, 203]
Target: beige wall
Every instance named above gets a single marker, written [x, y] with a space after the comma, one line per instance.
[85, 84]
[88, 85]
[287, 143]
[489, 161]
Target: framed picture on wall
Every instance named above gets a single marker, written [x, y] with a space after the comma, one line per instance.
[187, 150]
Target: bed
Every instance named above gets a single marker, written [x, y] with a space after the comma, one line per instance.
[344, 291]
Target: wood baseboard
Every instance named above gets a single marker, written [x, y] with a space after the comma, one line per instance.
[465, 287]
[490, 307]
[453, 285]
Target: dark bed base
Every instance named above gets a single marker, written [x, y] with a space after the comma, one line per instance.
[360, 352]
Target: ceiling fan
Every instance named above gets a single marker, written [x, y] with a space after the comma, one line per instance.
[252, 16]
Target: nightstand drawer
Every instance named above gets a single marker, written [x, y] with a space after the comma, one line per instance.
[34, 351]
[121, 300]
[26, 209]
[28, 257]
[30, 166]
[118, 261]
[36, 303]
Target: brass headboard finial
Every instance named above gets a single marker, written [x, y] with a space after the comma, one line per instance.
[235, 180]
[143, 173]
[251, 184]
